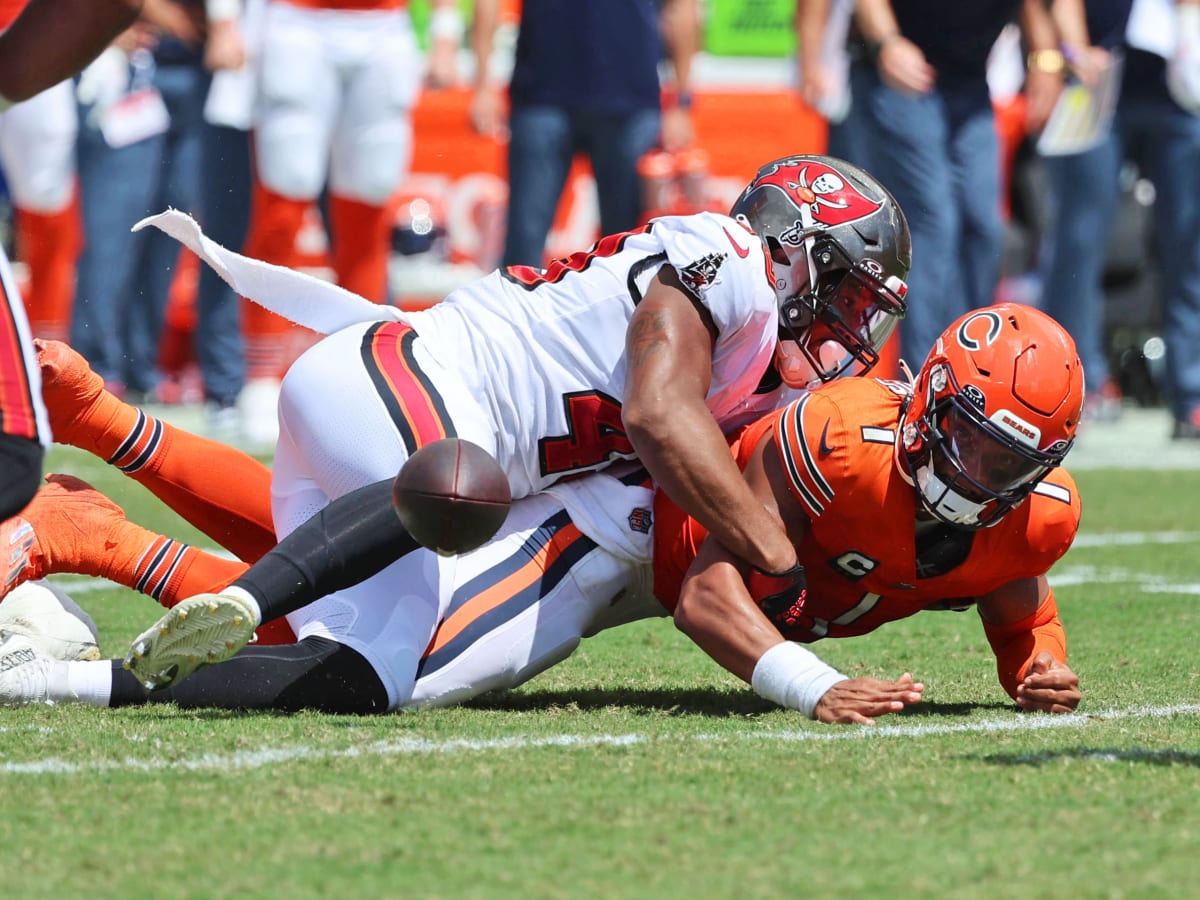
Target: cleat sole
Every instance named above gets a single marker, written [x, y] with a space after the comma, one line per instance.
[196, 632]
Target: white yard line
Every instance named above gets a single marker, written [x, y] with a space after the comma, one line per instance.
[411, 746]
[1134, 538]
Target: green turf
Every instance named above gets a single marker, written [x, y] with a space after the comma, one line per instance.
[638, 768]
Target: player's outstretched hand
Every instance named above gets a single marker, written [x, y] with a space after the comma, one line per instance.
[1048, 686]
[860, 700]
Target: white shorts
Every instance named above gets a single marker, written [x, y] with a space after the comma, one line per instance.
[335, 92]
[37, 149]
[439, 630]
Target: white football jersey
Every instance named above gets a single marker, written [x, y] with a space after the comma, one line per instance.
[544, 350]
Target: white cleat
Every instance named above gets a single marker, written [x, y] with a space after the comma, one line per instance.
[199, 631]
[24, 671]
[50, 620]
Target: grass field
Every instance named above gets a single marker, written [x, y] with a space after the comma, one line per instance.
[639, 768]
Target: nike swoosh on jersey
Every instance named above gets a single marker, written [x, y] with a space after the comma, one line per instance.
[737, 248]
[824, 449]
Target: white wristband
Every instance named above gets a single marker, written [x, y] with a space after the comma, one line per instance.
[793, 677]
[446, 23]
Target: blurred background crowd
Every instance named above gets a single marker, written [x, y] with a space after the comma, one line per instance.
[1044, 152]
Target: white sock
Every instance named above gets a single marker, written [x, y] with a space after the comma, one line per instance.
[87, 681]
[247, 598]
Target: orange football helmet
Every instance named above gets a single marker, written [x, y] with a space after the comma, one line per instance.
[995, 407]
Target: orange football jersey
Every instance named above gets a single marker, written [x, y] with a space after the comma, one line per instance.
[838, 447]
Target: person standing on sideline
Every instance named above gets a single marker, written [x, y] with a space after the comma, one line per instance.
[229, 54]
[337, 82]
[921, 94]
[585, 80]
[1157, 123]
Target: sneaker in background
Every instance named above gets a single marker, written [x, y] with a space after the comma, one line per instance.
[222, 420]
[1188, 429]
[1104, 403]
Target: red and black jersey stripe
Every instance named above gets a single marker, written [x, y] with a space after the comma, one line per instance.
[17, 415]
[413, 403]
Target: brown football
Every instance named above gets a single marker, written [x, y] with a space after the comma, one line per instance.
[451, 495]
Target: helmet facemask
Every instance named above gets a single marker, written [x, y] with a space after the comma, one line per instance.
[841, 324]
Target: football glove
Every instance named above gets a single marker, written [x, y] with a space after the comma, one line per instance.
[780, 595]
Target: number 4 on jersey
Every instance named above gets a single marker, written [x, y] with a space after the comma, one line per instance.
[595, 435]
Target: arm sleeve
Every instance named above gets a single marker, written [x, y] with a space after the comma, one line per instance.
[1017, 644]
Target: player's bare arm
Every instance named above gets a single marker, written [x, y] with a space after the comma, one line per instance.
[717, 611]
[669, 356]
[53, 39]
[1023, 625]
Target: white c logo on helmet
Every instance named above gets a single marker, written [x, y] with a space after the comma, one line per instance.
[976, 337]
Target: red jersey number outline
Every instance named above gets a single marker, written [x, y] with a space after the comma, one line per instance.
[595, 435]
[530, 277]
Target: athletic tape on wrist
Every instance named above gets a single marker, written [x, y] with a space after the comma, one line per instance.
[793, 677]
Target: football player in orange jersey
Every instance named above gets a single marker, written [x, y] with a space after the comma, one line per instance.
[45, 43]
[899, 501]
[970, 455]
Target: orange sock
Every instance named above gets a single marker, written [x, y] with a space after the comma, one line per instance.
[170, 571]
[220, 490]
[50, 244]
[275, 221]
[360, 246]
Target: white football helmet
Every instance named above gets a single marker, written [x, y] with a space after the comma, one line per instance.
[50, 620]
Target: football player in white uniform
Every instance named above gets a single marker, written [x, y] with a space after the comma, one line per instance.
[651, 345]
